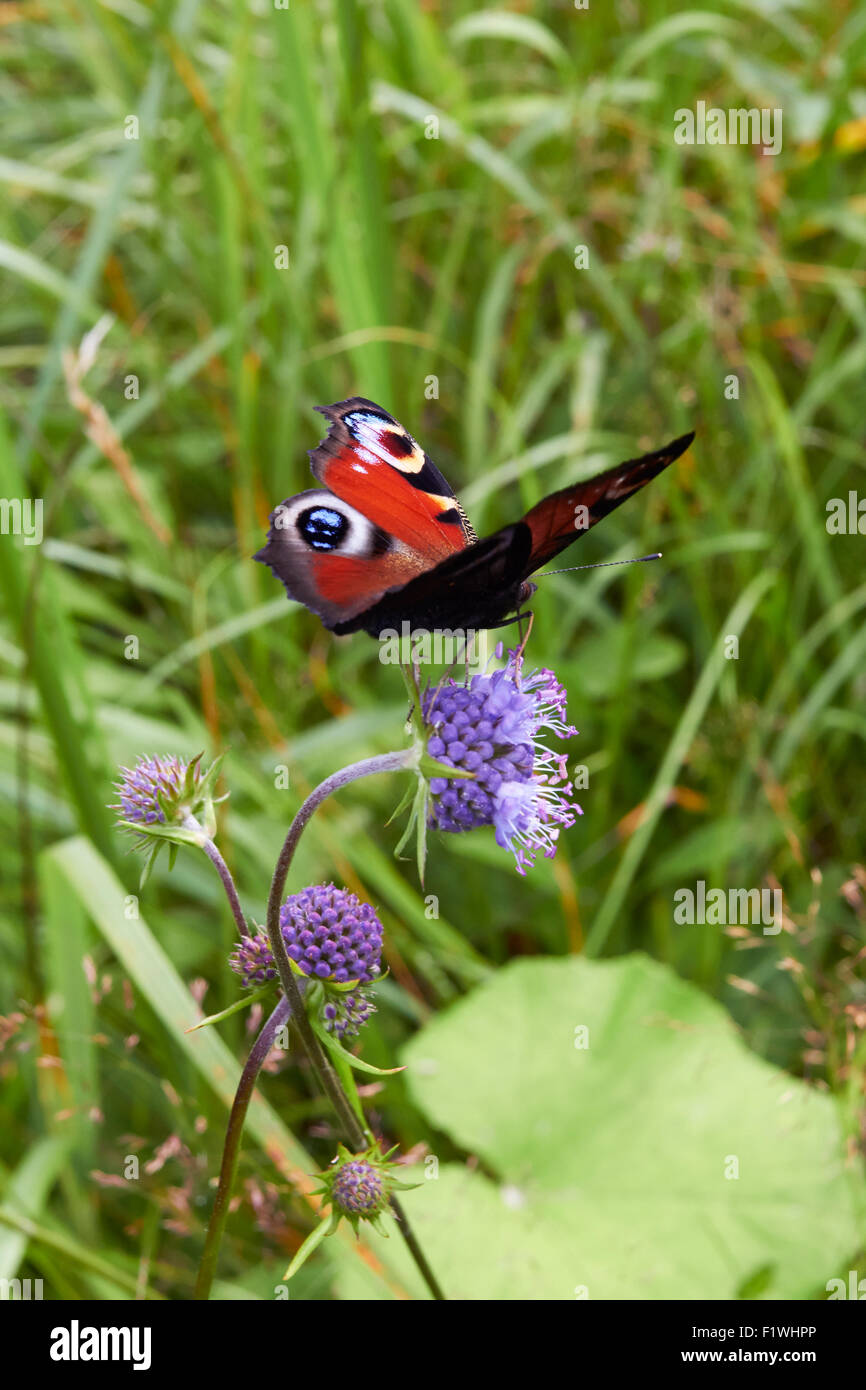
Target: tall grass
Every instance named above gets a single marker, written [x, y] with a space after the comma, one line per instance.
[430, 171]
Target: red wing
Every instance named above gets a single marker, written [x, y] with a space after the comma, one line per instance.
[557, 521]
[472, 588]
[332, 558]
[370, 461]
[351, 583]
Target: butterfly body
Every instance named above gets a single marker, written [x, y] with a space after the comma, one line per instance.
[384, 541]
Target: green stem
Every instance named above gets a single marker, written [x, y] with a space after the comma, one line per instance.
[222, 868]
[231, 1150]
[386, 762]
[352, 1127]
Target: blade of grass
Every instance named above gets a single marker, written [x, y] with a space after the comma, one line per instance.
[96, 886]
[677, 750]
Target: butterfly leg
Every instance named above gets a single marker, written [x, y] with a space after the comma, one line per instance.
[524, 638]
[416, 675]
[506, 622]
[517, 618]
[462, 658]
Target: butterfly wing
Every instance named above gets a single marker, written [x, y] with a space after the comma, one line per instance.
[385, 541]
[565, 516]
[473, 588]
[370, 461]
[477, 587]
[384, 515]
[332, 558]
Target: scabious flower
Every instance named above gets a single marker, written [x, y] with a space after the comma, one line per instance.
[150, 788]
[493, 727]
[165, 797]
[333, 938]
[358, 1188]
[329, 934]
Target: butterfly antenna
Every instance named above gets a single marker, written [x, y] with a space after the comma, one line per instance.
[635, 560]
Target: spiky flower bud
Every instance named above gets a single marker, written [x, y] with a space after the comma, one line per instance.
[346, 1014]
[156, 789]
[358, 1188]
[167, 799]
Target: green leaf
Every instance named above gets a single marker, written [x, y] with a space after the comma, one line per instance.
[502, 24]
[26, 1191]
[234, 1008]
[175, 833]
[330, 1042]
[614, 1159]
[314, 1239]
[431, 767]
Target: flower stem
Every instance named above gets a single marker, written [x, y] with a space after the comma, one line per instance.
[386, 762]
[228, 882]
[352, 1127]
[260, 1049]
[222, 868]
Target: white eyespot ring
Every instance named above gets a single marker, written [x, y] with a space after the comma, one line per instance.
[324, 524]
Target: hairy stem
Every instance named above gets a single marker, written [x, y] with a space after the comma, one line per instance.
[385, 762]
[228, 883]
[222, 868]
[319, 1060]
[231, 1149]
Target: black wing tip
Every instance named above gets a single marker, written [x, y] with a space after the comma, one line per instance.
[679, 446]
[335, 411]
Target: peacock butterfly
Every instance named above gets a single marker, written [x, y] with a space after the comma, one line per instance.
[384, 540]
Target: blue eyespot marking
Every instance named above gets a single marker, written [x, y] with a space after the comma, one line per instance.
[322, 528]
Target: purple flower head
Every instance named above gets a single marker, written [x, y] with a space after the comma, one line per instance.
[345, 1014]
[492, 727]
[169, 799]
[330, 935]
[358, 1188]
[152, 781]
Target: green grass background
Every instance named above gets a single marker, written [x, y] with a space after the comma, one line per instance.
[410, 258]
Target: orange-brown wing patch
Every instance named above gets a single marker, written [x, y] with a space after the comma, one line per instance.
[565, 516]
[372, 463]
[354, 582]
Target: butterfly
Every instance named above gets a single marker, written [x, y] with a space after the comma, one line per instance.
[384, 541]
